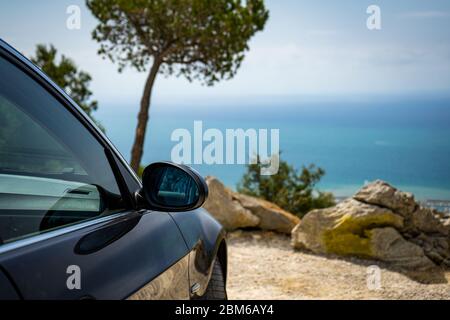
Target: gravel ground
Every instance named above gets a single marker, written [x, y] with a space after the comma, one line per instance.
[262, 265]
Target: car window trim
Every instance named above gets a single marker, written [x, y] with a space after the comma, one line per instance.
[15, 245]
[21, 62]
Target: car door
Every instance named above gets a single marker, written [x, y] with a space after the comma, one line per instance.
[69, 225]
[7, 290]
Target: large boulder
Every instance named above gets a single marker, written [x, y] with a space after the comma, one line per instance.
[271, 217]
[379, 222]
[435, 247]
[236, 211]
[429, 221]
[382, 194]
[229, 212]
[343, 229]
[389, 246]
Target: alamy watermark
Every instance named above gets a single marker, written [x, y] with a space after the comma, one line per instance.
[373, 279]
[234, 146]
[73, 281]
[374, 20]
[73, 21]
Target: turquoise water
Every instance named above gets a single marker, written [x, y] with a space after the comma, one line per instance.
[405, 141]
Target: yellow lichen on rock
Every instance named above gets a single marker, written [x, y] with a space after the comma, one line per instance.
[380, 223]
[350, 234]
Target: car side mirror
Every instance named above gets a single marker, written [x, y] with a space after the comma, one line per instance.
[172, 187]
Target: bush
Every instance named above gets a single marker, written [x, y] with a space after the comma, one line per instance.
[140, 171]
[291, 189]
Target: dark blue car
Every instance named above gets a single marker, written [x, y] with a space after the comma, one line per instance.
[76, 222]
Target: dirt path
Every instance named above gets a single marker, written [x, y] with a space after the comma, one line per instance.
[263, 266]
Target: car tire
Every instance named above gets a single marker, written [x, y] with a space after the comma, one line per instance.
[216, 287]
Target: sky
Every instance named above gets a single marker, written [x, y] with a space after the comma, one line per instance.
[320, 47]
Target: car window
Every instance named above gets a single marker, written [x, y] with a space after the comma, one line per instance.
[53, 172]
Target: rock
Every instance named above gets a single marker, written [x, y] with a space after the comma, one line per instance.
[389, 246]
[380, 193]
[271, 217]
[230, 213]
[446, 263]
[435, 247]
[379, 222]
[342, 229]
[234, 210]
[429, 221]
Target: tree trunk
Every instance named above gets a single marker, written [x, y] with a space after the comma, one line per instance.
[139, 138]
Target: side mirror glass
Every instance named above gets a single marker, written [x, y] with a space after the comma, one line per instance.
[172, 187]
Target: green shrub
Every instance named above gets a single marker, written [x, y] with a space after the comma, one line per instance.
[291, 189]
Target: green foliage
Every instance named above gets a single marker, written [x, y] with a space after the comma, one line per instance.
[199, 39]
[66, 75]
[140, 172]
[290, 189]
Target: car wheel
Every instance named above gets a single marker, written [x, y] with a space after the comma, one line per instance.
[216, 286]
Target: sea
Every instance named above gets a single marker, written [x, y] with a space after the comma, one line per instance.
[404, 140]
